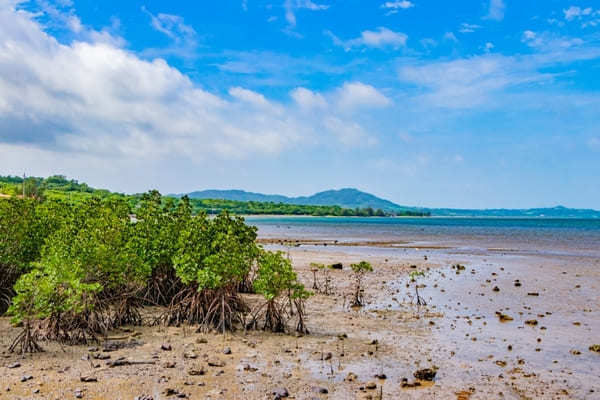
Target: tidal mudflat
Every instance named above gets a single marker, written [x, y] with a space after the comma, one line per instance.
[501, 321]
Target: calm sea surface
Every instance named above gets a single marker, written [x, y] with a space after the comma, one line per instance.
[547, 235]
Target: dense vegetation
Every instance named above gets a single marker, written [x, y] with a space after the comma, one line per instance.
[59, 187]
[73, 270]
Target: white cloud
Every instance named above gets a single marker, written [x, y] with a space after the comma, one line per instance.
[308, 100]
[450, 36]
[182, 35]
[96, 101]
[353, 95]
[549, 41]
[588, 16]
[468, 28]
[394, 6]
[291, 6]
[380, 38]
[576, 12]
[496, 10]
[349, 133]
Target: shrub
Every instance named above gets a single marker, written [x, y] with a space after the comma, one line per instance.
[358, 271]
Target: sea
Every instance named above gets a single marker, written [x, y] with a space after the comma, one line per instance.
[552, 236]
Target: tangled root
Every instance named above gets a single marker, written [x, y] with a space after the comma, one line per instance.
[25, 342]
[212, 309]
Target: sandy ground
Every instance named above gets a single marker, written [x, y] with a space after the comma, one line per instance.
[476, 355]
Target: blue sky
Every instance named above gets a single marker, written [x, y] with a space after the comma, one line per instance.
[488, 103]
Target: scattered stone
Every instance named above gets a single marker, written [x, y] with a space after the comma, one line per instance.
[166, 347]
[169, 364]
[14, 365]
[196, 371]
[216, 362]
[381, 376]
[280, 393]
[88, 378]
[533, 294]
[503, 317]
[337, 266]
[595, 348]
[501, 363]
[327, 356]
[351, 377]
[78, 394]
[575, 352]
[201, 340]
[371, 385]
[190, 355]
[26, 378]
[532, 322]
[226, 350]
[406, 384]
[426, 374]
[496, 289]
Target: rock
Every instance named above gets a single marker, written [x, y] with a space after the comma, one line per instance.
[201, 340]
[532, 322]
[78, 394]
[381, 376]
[426, 374]
[371, 385]
[216, 362]
[88, 378]
[503, 317]
[280, 393]
[169, 364]
[595, 348]
[26, 378]
[327, 356]
[501, 363]
[143, 397]
[196, 371]
[496, 289]
[405, 384]
[351, 377]
[226, 350]
[533, 294]
[337, 266]
[322, 390]
[13, 365]
[166, 347]
[190, 355]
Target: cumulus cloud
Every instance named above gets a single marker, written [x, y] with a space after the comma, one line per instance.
[496, 10]
[353, 95]
[380, 38]
[576, 12]
[96, 101]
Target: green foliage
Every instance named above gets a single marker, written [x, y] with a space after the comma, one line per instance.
[89, 259]
[362, 267]
[215, 253]
[275, 276]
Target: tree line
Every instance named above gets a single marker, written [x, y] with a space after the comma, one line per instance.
[59, 187]
[72, 271]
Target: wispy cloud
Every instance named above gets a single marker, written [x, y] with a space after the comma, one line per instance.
[587, 16]
[468, 28]
[291, 6]
[380, 38]
[496, 10]
[394, 6]
[182, 35]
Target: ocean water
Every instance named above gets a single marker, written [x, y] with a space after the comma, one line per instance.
[542, 235]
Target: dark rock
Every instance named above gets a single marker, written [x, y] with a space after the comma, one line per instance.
[280, 393]
[216, 362]
[226, 350]
[595, 348]
[14, 365]
[88, 379]
[166, 347]
[26, 378]
[371, 385]
[196, 371]
[337, 266]
[426, 374]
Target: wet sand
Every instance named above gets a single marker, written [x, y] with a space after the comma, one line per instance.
[476, 355]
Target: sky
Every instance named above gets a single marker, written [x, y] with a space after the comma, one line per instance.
[464, 104]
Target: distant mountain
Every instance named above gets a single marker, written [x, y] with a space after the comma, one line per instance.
[346, 198]
[353, 198]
